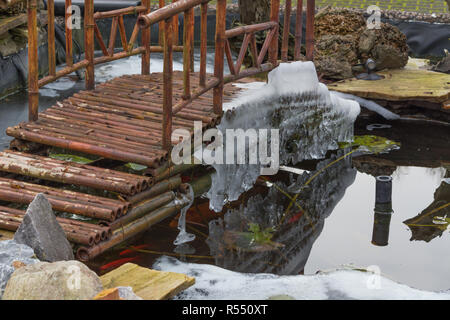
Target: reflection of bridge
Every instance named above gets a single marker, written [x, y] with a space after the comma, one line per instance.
[129, 119]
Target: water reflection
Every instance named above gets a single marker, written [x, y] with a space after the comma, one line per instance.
[296, 225]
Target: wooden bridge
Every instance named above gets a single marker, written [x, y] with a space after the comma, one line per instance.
[129, 119]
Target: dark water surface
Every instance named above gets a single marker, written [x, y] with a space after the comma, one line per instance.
[333, 225]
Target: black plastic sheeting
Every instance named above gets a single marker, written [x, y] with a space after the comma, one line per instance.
[425, 39]
[99, 5]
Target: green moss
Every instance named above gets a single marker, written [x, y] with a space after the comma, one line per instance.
[371, 144]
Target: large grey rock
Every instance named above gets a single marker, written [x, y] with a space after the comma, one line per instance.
[443, 65]
[41, 231]
[387, 46]
[11, 251]
[63, 280]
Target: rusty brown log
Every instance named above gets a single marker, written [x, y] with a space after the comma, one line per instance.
[242, 53]
[112, 36]
[169, 183]
[310, 12]
[84, 147]
[249, 72]
[33, 71]
[63, 72]
[68, 26]
[203, 42]
[286, 27]
[120, 12]
[167, 85]
[145, 35]
[162, 3]
[187, 42]
[182, 104]
[123, 35]
[274, 17]
[250, 29]
[298, 30]
[166, 12]
[51, 37]
[130, 230]
[99, 38]
[64, 173]
[19, 196]
[143, 208]
[219, 55]
[89, 24]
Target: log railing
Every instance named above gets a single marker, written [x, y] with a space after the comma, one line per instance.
[167, 17]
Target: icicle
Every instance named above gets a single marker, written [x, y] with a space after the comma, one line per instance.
[183, 236]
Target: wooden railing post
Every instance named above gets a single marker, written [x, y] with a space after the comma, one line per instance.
[286, 27]
[275, 17]
[33, 70]
[167, 87]
[69, 27]
[310, 11]
[298, 30]
[187, 49]
[89, 25]
[145, 59]
[203, 43]
[51, 37]
[219, 54]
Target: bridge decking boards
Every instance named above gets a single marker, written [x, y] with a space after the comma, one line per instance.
[120, 120]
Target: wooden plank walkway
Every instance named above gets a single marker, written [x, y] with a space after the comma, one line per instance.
[120, 120]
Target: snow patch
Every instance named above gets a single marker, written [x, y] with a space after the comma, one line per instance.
[215, 283]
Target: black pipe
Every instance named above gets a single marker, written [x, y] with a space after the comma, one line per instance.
[383, 211]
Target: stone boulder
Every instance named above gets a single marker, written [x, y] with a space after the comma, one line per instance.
[444, 64]
[335, 55]
[343, 42]
[64, 280]
[41, 231]
[387, 46]
[11, 254]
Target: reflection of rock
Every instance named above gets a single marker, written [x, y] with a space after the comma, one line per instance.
[374, 168]
[343, 40]
[41, 231]
[422, 226]
[298, 230]
[64, 280]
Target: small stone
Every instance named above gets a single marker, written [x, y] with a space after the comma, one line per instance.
[64, 280]
[41, 231]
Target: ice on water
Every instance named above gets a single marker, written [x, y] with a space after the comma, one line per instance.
[310, 119]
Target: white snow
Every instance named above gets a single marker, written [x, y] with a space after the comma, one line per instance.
[215, 283]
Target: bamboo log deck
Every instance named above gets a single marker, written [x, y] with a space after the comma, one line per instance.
[129, 119]
[119, 120]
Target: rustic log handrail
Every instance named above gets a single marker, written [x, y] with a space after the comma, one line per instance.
[167, 19]
[168, 11]
[250, 29]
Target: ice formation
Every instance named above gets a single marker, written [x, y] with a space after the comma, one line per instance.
[297, 231]
[310, 120]
[215, 283]
[183, 236]
[370, 105]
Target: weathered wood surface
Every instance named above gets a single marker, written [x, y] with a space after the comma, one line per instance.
[400, 85]
[8, 23]
[6, 235]
[146, 283]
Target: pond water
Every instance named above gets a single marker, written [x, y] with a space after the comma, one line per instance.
[331, 225]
